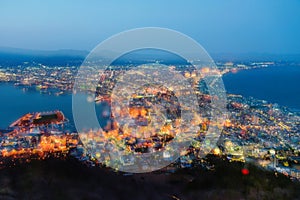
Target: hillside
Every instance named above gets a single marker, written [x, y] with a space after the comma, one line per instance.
[69, 179]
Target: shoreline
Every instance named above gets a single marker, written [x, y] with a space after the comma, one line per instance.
[258, 94]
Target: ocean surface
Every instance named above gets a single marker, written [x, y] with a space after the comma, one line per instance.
[15, 102]
[275, 84]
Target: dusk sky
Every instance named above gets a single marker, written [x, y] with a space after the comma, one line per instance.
[230, 26]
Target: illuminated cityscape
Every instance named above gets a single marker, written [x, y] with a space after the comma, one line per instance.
[143, 100]
[255, 131]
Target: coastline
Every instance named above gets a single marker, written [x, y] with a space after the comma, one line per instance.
[272, 83]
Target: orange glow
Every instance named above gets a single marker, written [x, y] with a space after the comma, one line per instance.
[205, 70]
[227, 123]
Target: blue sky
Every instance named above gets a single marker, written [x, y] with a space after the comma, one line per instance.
[231, 26]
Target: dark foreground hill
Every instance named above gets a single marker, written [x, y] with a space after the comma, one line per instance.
[69, 179]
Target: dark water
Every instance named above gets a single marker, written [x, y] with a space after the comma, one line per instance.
[276, 84]
[14, 102]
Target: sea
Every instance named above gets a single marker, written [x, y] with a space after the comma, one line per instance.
[15, 101]
[276, 84]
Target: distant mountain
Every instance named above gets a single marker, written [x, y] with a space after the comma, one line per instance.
[15, 57]
[144, 56]
[255, 57]
[61, 52]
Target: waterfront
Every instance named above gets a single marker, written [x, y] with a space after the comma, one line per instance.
[16, 102]
[253, 130]
[276, 84]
